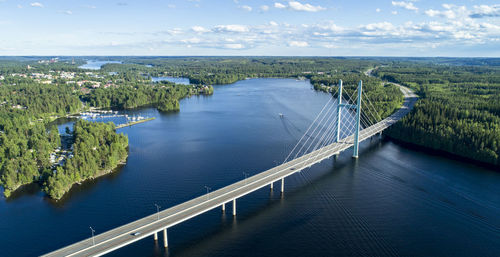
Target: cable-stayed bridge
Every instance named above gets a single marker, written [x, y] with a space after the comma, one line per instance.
[344, 121]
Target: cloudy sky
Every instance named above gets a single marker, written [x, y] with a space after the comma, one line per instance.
[250, 27]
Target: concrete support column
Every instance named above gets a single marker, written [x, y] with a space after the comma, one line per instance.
[380, 135]
[272, 185]
[165, 239]
[234, 207]
[223, 207]
[156, 236]
[282, 185]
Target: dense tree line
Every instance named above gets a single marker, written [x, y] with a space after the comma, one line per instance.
[25, 141]
[459, 111]
[164, 96]
[39, 100]
[25, 147]
[226, 70]
[97, 150]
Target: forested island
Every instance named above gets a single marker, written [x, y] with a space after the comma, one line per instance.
[97, 149]
[165, 97]
[458, 113]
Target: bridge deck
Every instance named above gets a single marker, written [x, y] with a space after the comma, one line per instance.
[147, 226]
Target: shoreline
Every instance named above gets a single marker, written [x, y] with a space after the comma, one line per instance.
[100, 173]
[441, 153]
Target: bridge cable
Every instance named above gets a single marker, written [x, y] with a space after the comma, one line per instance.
[314, 131]
[314, 125]
[330, 137]
[325, 131]
[317, 116]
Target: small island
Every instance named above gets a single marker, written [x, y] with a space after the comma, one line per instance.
[97, 150]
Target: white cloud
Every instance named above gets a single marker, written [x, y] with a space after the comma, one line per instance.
[234, 46]
[271, 37]
[435, 13]
[193, 40]
[463, 35]
[451, 12]
[432, 13]
[279, 5]
[330, 27]
[481, 11]
[19, 6]
[246, 8]
[175, 31]
[298, 44]
[36, 4]
[231, 28]
[394, 12]
[329, 46]
[171, 6]
[377, 10]
[264, 8]
[199, 29]
[380, 26]
[407, 5]
[320, 34]
[68, 12]
[297, 6]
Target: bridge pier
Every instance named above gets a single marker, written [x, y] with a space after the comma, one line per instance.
[156, 236]
[224, 207]
[272, 186]
[165, 239]
[234, 207]
[282, 185]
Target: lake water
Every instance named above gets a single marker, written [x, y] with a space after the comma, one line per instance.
[96, 65]
[392, 201]
[178, 80]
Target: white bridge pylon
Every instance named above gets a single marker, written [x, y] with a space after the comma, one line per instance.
[340, 121]
[356, 107]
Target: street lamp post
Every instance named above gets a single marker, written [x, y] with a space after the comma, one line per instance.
[157, 211]
[208, 192]
[246, 175]
[93, 241]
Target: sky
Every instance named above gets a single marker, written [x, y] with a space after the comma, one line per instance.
[460, 28]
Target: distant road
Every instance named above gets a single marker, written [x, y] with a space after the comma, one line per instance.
[408, 93]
